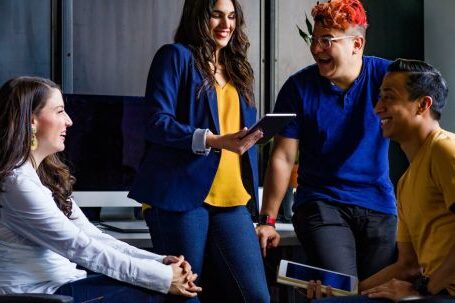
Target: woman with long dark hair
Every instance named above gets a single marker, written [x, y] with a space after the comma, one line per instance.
[44, 234]
[200, 170]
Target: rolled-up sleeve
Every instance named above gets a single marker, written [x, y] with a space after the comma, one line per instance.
[286, 102]
[199, 142]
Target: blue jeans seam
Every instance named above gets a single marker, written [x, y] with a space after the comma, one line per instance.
[230, 270]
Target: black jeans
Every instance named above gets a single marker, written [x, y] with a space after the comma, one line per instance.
[346, 238]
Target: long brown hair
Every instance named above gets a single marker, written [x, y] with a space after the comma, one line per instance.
[19, 99]
[193, 31]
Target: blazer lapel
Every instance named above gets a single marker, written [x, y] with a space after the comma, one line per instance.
[213, 105]
[248, 113]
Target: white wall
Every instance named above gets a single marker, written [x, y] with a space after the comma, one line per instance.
[440, 48]
[292, 53]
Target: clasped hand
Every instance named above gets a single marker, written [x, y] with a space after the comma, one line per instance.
[183, 278]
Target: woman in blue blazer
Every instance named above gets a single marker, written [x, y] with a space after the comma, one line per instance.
[200, 170]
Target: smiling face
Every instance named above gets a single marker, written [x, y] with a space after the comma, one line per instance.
[339, 63]
[51, 123]
[399, 115]
[222, 22]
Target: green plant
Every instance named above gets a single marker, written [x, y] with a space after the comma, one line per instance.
[306, 35]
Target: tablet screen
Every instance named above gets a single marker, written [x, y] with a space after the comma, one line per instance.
[304, 273]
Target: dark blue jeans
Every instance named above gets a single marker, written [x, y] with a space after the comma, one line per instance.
[220, 244]
[345, 238]
[100, 288]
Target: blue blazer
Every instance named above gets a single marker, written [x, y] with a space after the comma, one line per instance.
[171, 176]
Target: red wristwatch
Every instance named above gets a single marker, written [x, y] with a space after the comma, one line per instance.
[266, 220]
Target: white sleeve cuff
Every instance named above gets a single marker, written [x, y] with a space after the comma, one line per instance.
[198, 143]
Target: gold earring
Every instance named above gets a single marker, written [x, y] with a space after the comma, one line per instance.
[34, 144]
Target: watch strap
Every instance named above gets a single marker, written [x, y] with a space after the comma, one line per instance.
[266, 220]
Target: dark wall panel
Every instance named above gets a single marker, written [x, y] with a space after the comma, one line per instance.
[396, 29]
[25, 38]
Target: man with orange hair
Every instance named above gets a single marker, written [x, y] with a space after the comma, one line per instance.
[344, 206]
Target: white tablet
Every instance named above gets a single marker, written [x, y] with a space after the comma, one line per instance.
[270, 125]
[296, 274]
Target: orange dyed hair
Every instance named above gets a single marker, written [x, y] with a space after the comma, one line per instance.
[340, 14]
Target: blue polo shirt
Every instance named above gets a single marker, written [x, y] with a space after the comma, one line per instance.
[343, 157]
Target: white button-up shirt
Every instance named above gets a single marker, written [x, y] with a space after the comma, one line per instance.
[40, 246]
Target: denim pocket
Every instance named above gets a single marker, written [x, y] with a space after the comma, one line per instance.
[315, 214]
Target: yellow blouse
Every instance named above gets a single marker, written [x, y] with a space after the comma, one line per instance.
[227, 188]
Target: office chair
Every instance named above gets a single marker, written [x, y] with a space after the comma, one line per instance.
[35, 298]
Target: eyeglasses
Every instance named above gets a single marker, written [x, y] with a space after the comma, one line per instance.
[326, 42]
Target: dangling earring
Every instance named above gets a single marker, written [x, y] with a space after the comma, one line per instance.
[34, 144]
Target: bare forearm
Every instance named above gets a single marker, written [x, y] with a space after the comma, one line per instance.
[400, 271]
[275, 185]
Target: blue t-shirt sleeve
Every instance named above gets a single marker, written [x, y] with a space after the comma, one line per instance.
[287, 102]
[379, 67]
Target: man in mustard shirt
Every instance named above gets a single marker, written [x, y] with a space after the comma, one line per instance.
[412, 96]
